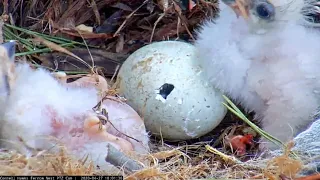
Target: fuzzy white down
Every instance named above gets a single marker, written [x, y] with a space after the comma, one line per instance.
[25, 115]
[275, 74]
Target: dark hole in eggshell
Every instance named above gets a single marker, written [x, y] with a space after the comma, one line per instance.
[166, 89]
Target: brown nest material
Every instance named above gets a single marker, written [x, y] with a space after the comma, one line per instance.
[119, 28]
[166, 164]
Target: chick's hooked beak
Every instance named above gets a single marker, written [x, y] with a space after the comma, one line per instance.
[240, 7]
[263, 9]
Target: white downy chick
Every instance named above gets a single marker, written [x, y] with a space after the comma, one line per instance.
[36, 106]
[264, 55]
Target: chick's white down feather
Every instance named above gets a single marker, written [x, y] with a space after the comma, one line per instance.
[275, 74]
[37, 99]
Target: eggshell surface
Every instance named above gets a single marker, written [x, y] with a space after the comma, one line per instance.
[163, 82]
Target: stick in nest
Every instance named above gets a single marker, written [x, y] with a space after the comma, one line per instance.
[180, 17]
[119, 159]
[128, 17]
[155, 24]
[104, 119]
[102, 114]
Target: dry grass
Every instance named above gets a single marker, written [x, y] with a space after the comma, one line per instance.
[167, 164]
[121, 28]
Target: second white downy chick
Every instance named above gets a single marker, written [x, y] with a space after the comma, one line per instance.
[36, 106]
[265, 60]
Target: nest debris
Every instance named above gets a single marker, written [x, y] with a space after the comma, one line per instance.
[118, 28]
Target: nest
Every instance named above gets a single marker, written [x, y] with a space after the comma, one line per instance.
[115, 29]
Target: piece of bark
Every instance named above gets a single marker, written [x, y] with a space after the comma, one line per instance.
[108, 61]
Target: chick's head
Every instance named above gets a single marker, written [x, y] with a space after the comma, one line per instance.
[263, 16]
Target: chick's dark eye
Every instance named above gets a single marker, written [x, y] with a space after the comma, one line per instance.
[265, 11]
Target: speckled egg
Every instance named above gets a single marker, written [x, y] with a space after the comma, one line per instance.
[163, 82]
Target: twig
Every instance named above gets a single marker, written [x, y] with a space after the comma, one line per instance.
[97, 107]
[183, 19]
[155, 24]
[128, 17]
[102, 114]
[106, 119]
[225, 157]
[119, 159]
[115, 73]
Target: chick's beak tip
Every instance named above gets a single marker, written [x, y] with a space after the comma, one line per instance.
[241, 8]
